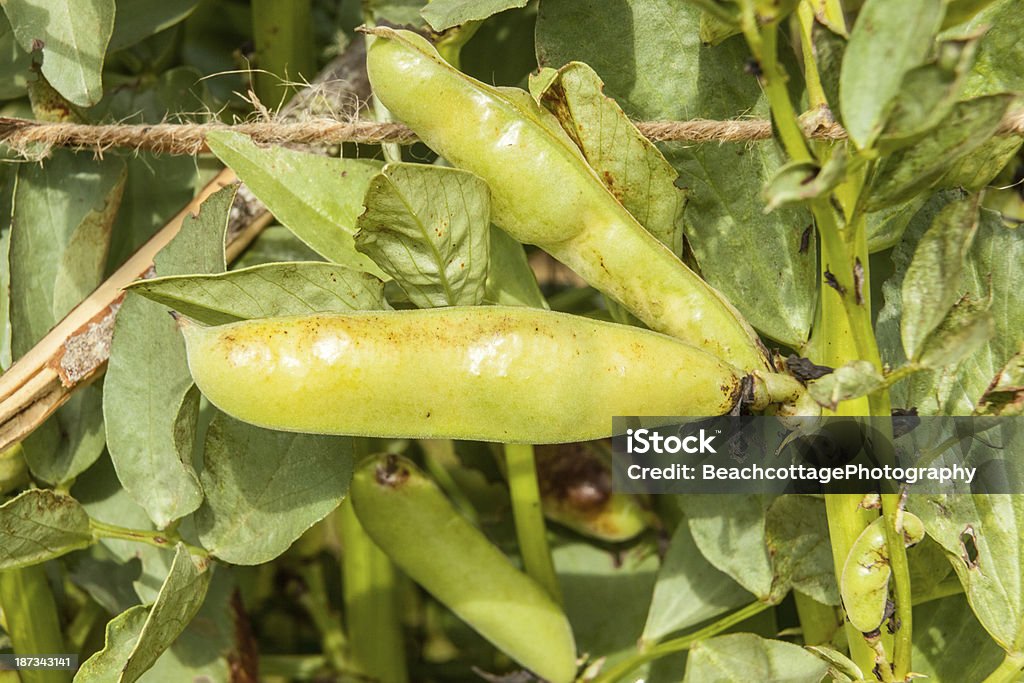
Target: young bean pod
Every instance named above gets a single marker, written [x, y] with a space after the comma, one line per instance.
[411, 520]
[486, 373]
[543, 192]
[865, 582]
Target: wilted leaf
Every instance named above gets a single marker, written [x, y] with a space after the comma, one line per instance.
[73, 36]
[689, 590]
[149, 401]
[316, 197]
[429, 228]
[40, 525]
[442, 14]
[932, 282]
[888, 40]
[1005, 395]
[744, 657]
[914, 169]
[266, 291]
[628, 163]
[966, 327]
[121, 635]
[265, 488]
[852, 380]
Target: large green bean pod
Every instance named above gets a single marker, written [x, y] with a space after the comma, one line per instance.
[487, 373]
[865, 581]
[411, 520]
[543, 192]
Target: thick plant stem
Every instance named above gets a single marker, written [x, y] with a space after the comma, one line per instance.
[893, 512]
[32, 621]
[283, 35]
[818, 621]
[372, 615]
[622, 669]
[1009, 671]
[529, 517]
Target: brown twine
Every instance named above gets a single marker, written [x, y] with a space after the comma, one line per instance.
[35, 138]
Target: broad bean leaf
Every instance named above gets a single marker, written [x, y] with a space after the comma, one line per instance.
[39, 525]
[689, 590]
[274, 245]
[800, 181]
[943, 632]
[316, 197]
[981, 535]
[136, 638]
[443, 14]
[932, 282]
[14, 63]
[73, 37]
[888, 40]
[631, 44]
[428, 227]
[991, 274]
[510, 280]
[829, 49]
[63, 213]
[1000, 51]
[266, 291]
[261, 491]
[798, 542]
[629, 164]
[847, 382]
[136, 20]
[885, 227]
[966, 327]
[150, 403]
[744, 657]
[1005, 395]
[976, 169]
[107, 579]
[914, 169]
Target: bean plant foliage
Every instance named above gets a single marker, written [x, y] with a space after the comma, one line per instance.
[160, 539]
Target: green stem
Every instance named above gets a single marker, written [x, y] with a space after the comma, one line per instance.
[812, 78]
[372, 614]
[893, 512]
[774, 79]
[32, 621]
[623, 668]
[392, 150]
[283, 35]
[529, 517]
[818, 621]
[1009, 671]
[168, 538]
[317, 605]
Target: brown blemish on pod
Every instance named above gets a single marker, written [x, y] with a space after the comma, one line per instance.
[391, 473]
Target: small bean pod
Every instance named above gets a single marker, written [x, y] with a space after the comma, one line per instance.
[409, 518]
[543, 192]
[486, 373]
[865, 582]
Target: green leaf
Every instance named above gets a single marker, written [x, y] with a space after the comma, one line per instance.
[852, 380]
[510, 280]
[886, 227]
[274, 245]
[443, 14]
[888, 40]
[744, 657]
[136, 638]
[1000, 52]
[631, 44]
[829, 49]
[966, 327]
[63, 213]
[40, 525]
[800, 181]
[1005, 395]
[798, 541]
[261, 494]
[981, 535]
[316, 197]
[730, 532]
[629, 164]
[14, 63]
[932, 282]
[914, 169]
[979, 167]
[73, 35]
[137, 20]
[266, 291]
[429, 228]
[944, 632]
[689, 590]
[149, 401]
[929, 92]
